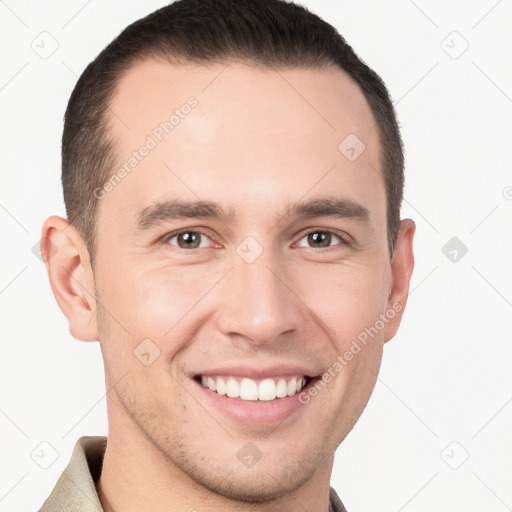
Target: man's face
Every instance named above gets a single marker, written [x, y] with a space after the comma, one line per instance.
[261, 294]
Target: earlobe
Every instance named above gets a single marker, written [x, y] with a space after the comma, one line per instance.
[71, 278]
[402, 266]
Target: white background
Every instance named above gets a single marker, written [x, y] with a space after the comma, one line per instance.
[446, 376]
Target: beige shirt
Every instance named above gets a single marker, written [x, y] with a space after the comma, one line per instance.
[75, 490]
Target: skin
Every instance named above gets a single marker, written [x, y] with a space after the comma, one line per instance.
[263, 144]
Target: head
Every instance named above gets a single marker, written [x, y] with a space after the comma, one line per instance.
[262, 115]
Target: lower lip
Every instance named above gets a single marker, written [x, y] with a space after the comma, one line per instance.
[256, 411]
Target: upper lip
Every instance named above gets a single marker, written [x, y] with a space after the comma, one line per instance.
[259, 372]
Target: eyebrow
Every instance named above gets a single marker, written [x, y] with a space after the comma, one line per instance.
[167, 211]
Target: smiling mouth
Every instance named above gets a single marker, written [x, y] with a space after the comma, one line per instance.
[246, 389]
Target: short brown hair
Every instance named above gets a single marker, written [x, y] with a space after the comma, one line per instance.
[272, 33]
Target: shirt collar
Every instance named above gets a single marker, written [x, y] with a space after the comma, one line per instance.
[76, 488]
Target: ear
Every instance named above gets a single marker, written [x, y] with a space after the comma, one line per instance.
[71, 277]
[402, 266]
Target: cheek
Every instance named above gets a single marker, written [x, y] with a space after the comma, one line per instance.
[148, 301]
[162, 299]
[348, 297]
[158, 303]
[161, 305]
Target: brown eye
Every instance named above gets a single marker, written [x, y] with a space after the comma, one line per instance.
[321, 239]
[187, 239]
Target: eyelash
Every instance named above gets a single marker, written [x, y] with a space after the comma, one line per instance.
[344, 239]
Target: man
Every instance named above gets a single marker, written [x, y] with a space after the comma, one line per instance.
[233, 176]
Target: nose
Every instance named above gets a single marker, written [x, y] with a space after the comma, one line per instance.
[258, 301]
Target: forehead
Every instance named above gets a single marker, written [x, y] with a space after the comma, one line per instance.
[241, 136]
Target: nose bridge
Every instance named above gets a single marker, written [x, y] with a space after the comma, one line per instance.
[257, 301]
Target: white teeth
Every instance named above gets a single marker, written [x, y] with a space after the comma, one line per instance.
[221, 386]
[248, 390]
[232, 388]
[282, 388]
[267, 390]
[292, 386]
